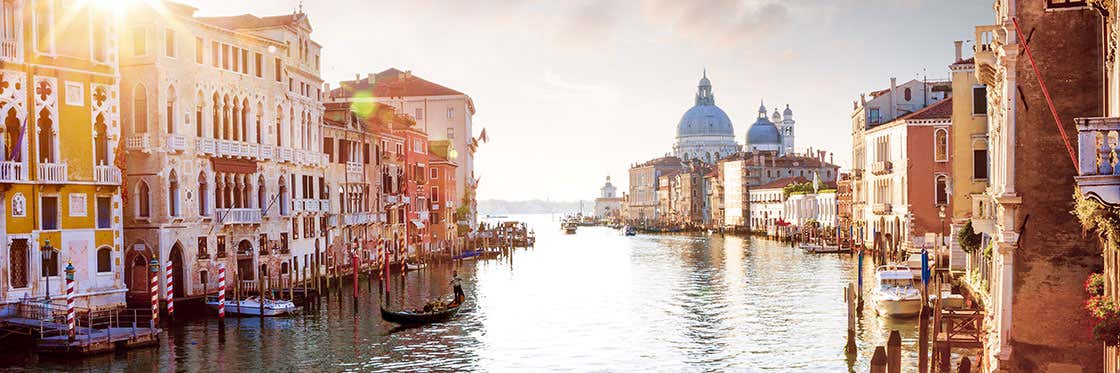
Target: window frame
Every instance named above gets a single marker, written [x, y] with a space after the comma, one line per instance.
[983, 88]
[108, 260]
[936, 143]
[57, 212]
[170, 47]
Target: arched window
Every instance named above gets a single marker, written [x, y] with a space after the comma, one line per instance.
[140, 109]
[906, 94]
[283, 197]
[225, 118]
[262, 197]
[173, 194]
[217, 117]
[203, 195]
[13, 134]
[104, 260]
[46, 136]
[279, 119]
[170, 109]
[198, 115]
[941, 192]
[941, 145]
[101, 140]
[260, 122]
[142, 207]
[244, 120]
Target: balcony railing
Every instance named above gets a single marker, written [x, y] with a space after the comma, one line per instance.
[176, 143]
[325, 205]
[9, 49]
[13, 172]
[141, 142]
[1098, 140]
[268, 152]
[881, 167]
[389, 198]
[356, 218]
[985, 53]
[285, 155]
[354, 170]
[881, 208]
[107, 175]
[55, 173]
[206, 145]
[240, 216]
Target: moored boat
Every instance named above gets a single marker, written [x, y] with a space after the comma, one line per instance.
[895, 294]
[253, 306]
[414, 266]
[630, 230]
[419, 317]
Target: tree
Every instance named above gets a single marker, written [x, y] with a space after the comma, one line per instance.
[968, 238]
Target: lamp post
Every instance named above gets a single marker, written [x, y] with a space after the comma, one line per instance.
[46, 253]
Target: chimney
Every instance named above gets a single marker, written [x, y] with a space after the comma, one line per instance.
[891, 112]
[830, 158]
[957, 46]
[863, 99]
[369, 78]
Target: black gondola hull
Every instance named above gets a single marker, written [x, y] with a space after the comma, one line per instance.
[411, 318]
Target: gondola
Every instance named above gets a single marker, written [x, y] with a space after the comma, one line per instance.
[414, 318]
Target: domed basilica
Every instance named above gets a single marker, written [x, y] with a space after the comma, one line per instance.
[705, 132]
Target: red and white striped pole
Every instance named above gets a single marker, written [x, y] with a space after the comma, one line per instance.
[221, 290]
[153, 267]
[71, 323]
[170, 290]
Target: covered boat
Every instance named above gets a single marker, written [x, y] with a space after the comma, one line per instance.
[896, 295]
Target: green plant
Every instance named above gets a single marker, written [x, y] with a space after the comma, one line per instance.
[1094, 285]
[1094, 215]
[968, 238]
[988, 249]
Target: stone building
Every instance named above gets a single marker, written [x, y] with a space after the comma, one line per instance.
[644, 186]
[441, 196]
[767, 203]
[222, 123]
[1033, 288]
[353, 185]
[608, 204]
[59, 178]
[440, 112]
[969, 155]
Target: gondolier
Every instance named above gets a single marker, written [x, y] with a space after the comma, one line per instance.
[457, 284]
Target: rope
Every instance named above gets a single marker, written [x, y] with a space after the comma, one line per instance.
[1046, 93]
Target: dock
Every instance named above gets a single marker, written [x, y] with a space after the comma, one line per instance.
[96, 331]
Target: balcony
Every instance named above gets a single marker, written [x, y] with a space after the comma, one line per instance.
[1098, 140]
[240, 216]
[9, 49]
[406, 199]
[881, 167]
[986, 53]
[53, 173]
[139, 142]
[267, 152]
[389, 199]
[13, 172]
[435, 206]
[325, 205]
[857, 174]
[354, 170]
[176, 143]
[107, 175]
[205, 146]
[285, 155]
[881, 208]
[357, 218]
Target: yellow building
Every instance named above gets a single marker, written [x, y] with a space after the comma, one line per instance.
[968, 155]
[58, 182]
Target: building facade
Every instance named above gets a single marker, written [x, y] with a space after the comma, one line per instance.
[969, 156]
[59, 177]
[608, 204]
[222, 123]
[704, 132]
[767, 202]
[644, 185]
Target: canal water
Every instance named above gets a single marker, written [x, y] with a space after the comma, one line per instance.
[595, 300]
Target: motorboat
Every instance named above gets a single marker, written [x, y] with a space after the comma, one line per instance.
[569, 226]
[895, 294]
[629, 230]
[253, 306]
[415, 266]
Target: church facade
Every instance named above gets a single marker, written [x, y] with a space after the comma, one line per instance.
[705, 131]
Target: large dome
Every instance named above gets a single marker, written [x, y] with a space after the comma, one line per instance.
[763, 132]
[705, 120]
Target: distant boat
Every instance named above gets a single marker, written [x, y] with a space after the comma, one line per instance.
[629, 231]
[469, 254]
[570, 227]
[415, 266]
[252, 307]
[440, 312]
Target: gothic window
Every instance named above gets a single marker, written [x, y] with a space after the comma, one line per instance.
[101, 140]
[173, 194]
[217, 119]
[46, 136]
[13, 135]
[142, 206]
[18, 258]
[941, 194]
[170, 109]
[198, 115]
[262, 195]
[140, 109]
[906, 94]
[941, 145]
[283, 196]
[104, 260]
[279, 119]
[203, 195]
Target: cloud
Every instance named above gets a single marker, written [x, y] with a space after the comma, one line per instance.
[590, 24]
[719, 23]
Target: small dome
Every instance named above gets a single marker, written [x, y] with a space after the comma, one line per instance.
[788, 111]
[763, 132]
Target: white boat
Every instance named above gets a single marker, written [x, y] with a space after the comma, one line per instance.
[415, 266]
[895, 294]
[810, 247]
[252, 307]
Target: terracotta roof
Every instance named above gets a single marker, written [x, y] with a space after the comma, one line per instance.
[966, 61]
[880, 92]
[940, 110]
[249, 21]
[392, 83]
[664, 161]
[783, 182]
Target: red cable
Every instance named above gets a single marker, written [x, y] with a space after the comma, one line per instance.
[1046, 93]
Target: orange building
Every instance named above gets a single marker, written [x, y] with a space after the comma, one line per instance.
[442, 195]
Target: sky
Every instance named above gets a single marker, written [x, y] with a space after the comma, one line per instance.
[572, 91]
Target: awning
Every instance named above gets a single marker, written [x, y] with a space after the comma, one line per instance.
[418, 224]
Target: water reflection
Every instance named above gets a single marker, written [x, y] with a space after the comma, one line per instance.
[596, 300]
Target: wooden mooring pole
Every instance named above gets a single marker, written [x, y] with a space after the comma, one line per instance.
[923, 341]
[894, 352]
[879, 360]
[850, 300]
